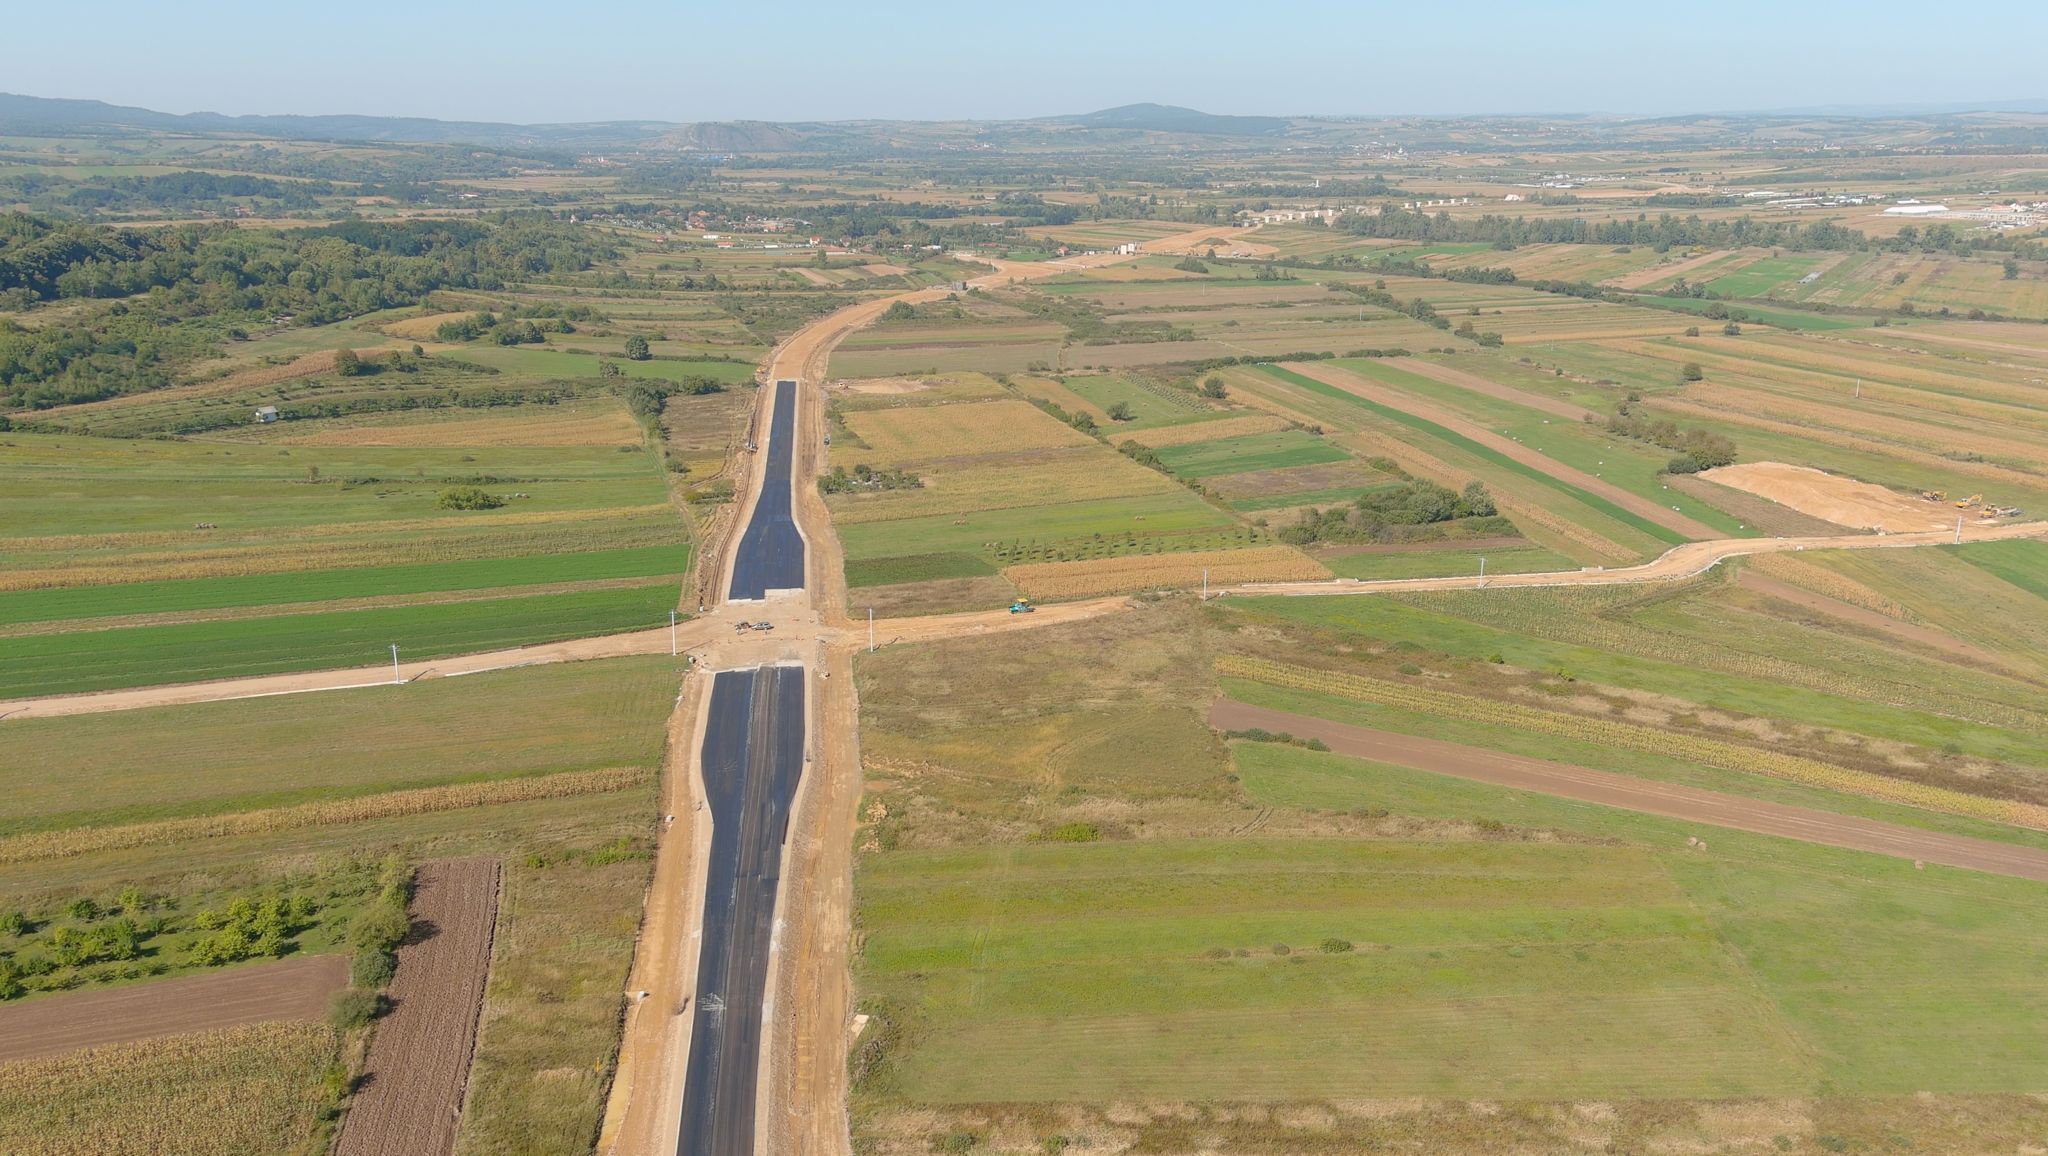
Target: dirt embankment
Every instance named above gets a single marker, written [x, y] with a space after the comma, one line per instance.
[418, 1068]
[290, 989]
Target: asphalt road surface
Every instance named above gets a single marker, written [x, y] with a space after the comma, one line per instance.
[1648, 796]
[753, 756]
[771, 553]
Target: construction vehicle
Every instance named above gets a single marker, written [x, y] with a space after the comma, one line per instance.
[2004, 511]
[1022, 606]
[1934, 495]
[742, 627]
[1972, 500]
[764, 626]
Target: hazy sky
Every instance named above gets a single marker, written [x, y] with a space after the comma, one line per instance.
[643, 59]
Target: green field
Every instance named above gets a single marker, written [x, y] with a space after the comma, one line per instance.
[1112, 971]
[1268, 451]
[915, 568]
[1885, 979]
[548, 363]
[2022, 563]
[247, 754]
[323, 585]
[46, 664]
[972, 533]
[1775, 669]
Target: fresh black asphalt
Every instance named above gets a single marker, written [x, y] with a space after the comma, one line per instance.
[771, 554]
[753, 756]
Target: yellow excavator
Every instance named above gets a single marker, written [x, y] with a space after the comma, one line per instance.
[1972, 500]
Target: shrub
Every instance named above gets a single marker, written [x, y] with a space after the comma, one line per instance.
[469, 498]
[1334, 946]
[346, 363]
[636, 348]
[1282, 949]
[1692, 371]
[1731, 330]
[1120, 411]
[1692, 331]
[353, 1008]
[1213, 387]
[1071, 833]
[83, 909]
[371, 970]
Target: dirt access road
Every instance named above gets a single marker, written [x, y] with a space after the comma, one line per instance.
[1627, 793]
[1679, 562]
[292, 989]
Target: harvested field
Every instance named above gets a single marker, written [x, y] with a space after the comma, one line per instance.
[418, 1065]
[1178, 571]
[1924, 636]
[925, 433]
[289, 989]
[594, 423]
[248, 1091]
[1843, 501]
[883, 385]
[1207, 431]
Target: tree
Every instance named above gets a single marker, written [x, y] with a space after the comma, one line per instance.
[636, 348]
[2012, 269]
[1692, 331]
[1692, 371]
[899, 311]
[1731, 330]
[346, 363]
[1213, 387]
[609, 369]
[1119, 411]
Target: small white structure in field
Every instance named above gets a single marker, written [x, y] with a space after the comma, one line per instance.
[1127, 249]
[266, 414]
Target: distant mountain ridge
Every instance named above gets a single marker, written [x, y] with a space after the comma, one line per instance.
[1173, 118]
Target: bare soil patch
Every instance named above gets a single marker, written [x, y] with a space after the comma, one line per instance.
[290, 989]
[1833, 498]
[412, 1094]
[883, 385]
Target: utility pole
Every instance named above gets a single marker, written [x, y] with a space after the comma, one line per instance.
[1482, 565]
[400, 681]
[1205, 583]
[1859, 387]
[671, 634]
[1959, 529]
[871, 630]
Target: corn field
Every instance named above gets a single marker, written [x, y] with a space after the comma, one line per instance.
[255, 1090]
[41, 845]
[1635, 737]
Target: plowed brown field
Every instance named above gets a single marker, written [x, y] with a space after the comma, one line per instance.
[291, 989]
[411, 1100]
